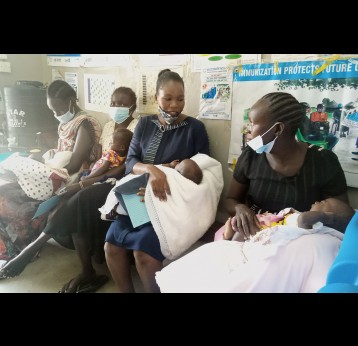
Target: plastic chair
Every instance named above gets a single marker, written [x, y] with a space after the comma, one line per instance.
[322, 144]
[343, 275]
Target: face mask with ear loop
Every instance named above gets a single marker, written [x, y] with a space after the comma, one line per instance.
[120, 114]
[258, 145]
[167, 117]
[65, 118]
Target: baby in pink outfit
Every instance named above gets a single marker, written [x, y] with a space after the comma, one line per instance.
[113, 157]
[331, 212]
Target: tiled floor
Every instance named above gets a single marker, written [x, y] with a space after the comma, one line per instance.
[56, 266]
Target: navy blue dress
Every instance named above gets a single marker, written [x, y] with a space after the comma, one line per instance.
[179, 143]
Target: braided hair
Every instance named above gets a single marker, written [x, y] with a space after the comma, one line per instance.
[283, 107]
[165, 76]
[62, 90]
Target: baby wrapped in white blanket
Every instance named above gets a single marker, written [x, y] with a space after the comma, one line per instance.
[39, 180]
[58, 159]
[284, 258]
[175, 221]
[296, 260]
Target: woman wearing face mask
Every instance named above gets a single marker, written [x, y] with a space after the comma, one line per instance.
[78, 133]
[121, 112]
[162, 138]
[273, 172]
[77, 223]
[276, 171]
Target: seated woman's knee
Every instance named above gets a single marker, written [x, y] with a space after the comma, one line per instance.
[142, 258]
[110, 249]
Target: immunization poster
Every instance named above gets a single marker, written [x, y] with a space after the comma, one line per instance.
[216, 93]
[334, 84]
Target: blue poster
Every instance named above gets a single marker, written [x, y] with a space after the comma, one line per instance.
[327, 89]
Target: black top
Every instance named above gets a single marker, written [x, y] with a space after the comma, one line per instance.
[321, 176]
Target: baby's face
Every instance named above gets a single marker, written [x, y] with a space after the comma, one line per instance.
[185, 167]
[117, 145]
[329, 205]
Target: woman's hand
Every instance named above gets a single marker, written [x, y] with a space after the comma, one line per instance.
[70, 190]
[158, 182]
[141, 192]
[173, 163]
[246, 222]
[229, 233]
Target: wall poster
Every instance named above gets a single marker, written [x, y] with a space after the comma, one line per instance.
[67, 60]
[332, 86]
[215, 94]
[72, 79]
[98, 91]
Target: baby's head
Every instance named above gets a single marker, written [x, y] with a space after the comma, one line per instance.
[190, 170]
[121, 141]
[333, 205]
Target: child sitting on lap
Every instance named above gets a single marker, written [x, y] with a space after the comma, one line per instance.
[115, 156]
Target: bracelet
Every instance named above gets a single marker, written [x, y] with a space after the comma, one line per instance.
[81, 185]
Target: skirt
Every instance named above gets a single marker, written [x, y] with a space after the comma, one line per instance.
[121, 233]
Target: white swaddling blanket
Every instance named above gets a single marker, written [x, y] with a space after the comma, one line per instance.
[190, 209]
[187, 213]
[278, 259]
[35, 178]
[59, 160]
[112, 200]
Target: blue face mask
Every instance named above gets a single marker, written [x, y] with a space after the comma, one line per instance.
[167, 117]
[258, 145]
[119, 114]
[65, 118]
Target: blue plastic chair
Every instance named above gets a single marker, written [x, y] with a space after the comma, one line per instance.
[343, 275]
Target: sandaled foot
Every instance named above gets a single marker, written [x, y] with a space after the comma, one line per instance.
[15, 266]
[93, 285]
[82, 284]
[2, 274]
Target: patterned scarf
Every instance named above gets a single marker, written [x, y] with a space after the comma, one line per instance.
[68, 132]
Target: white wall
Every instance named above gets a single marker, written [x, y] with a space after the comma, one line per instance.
[23, 67]
[34, 67]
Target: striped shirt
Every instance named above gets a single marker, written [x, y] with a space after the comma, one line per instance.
[154, 145]
[176, 142]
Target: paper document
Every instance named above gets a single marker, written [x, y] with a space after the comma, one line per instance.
[137, 210]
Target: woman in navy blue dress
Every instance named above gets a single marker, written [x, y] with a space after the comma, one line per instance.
[170, 135]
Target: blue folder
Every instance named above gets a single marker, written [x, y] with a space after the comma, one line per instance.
[127, 196]
[47, 205]
[136, 209]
